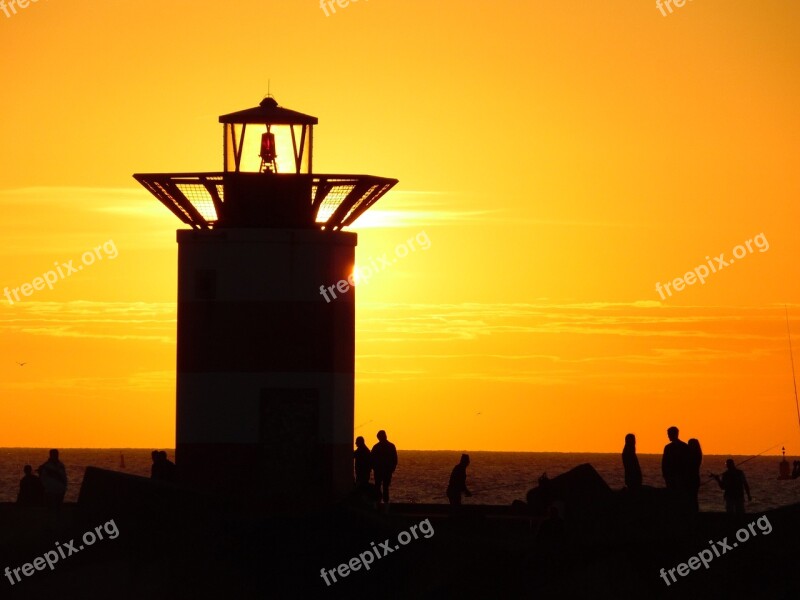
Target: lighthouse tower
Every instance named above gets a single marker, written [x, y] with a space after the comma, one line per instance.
[265, 365]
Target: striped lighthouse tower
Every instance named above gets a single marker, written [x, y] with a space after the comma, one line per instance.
[265, 366]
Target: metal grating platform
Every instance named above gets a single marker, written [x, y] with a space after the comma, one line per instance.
[334, 201]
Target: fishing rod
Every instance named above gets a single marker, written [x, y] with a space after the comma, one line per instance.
[759, 454]
[791, 356]
[747, 460]
[794, 382]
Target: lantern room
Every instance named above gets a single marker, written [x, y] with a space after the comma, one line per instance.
[268, 139]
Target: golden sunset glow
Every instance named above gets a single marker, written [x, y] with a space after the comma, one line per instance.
[557, 161]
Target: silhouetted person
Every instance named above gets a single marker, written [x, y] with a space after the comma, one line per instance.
[53, 476]
[156, 469]
[693, 472]
[796, 469]
[633, 472]
[675, 463]
[168, 469]
[735, 485]
[384, 462]
[362, 462]
[31, 490]
[458, 482]
[162, 468]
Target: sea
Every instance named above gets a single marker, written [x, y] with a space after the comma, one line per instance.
[422, 475]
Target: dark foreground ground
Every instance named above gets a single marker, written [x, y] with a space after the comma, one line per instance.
[172, 544]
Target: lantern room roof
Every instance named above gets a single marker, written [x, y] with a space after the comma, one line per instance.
[268, 111]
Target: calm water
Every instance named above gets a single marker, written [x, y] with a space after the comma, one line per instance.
[494, 477]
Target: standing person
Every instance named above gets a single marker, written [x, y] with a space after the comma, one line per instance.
[675, 468]
[693, 479]
[31, 490]
[362, 462]
[156, 469]
[735, 485]
[630, 462]
[458, 482]
[384, 462]
[53, 476]
[675, 462]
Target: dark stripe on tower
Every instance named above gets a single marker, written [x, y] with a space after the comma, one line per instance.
[261, 334]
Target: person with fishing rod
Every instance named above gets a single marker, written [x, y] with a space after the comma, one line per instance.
[362, 463]
[735, 485]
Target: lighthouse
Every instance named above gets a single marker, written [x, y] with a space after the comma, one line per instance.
[265, 365]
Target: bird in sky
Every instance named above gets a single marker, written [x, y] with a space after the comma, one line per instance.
[21, 364]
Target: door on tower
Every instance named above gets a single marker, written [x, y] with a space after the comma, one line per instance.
[290, 453]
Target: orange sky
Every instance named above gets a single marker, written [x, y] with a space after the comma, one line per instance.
[560, 157]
